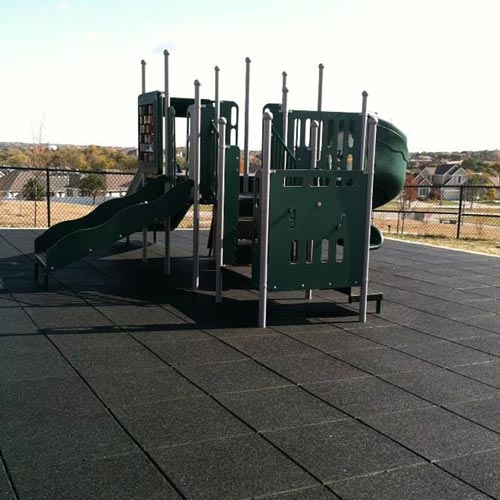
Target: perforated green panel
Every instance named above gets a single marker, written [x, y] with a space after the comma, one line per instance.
[316, 229]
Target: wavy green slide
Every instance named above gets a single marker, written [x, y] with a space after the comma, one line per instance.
[69, 241]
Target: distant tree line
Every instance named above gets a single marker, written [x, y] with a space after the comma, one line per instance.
[74, 157]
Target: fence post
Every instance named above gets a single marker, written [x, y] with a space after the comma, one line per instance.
[47, 173]
[460, 205]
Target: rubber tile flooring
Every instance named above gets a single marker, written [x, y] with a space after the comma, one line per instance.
[118, 382]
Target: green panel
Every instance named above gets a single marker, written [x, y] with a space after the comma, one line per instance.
[129, 220]
[231, 206]
[100, 214]
[319, 207]
[150, 132]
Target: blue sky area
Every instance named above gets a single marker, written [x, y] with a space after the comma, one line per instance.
[429, 66]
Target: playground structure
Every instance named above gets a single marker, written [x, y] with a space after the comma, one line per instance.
[303, 222]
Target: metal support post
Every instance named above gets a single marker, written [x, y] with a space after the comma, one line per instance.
[217, 100]
[219, 229]
[246, 164]
[283, 83]
[264, 216]
[372, 140]
[284, 115]
[320, 87]
[166, 167]
[144, 179]
[313, 142]
[460, 210]
[47, 173]
[364, 115]
[195, 150]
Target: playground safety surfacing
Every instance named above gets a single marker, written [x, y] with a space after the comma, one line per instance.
[119, 383]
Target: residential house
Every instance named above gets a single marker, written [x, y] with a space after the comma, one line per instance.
[443, 181]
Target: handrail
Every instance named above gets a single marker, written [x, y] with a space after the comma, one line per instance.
[282, 156]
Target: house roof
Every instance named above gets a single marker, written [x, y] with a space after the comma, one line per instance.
[448, 168]
[15, 180]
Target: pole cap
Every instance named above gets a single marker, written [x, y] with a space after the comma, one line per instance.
[197, 83]
[321, 66]
[217, 68]
[267, 115]
[248, 60]
[143, 62]
[166, 52]
[372, 120]
[222, 121]
[365, 93]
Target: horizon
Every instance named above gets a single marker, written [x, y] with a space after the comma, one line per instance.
[80, 82]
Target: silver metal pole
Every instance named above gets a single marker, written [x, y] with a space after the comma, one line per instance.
[264, 216]
[166, 167]
[217, 101]
[284, 112]
[195, 148]
[144, 178]
[314, 143]
[219, 229]
[143, 76]
[284, 116]
[372, 141]
[320, 87]
[314, 159]
[364, 114]
[246, 164]
[284, 75]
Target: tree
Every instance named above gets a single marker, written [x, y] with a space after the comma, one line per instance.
[33, 190]
[92, 185]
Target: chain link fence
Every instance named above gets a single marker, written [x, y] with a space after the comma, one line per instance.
[40, 198]
[461, 212]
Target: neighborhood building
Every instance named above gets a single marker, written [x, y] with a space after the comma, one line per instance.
[443, 181]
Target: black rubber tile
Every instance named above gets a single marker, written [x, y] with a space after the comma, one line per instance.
[49, 298]
[444, 353]
[67, 317]
[341, 449]
[62, 438]
[107, 338]
[175, 334]
[366, 396]
[485, 291]
[435, 433]
[490, 322]
[489, 373]
[140, 316]
[478, 469]
[319, 367]
[7, 300]
[442, 386]
[490, 345]
[15, 321]
[230, 469]
[107, 360]
[196, 352]
[39, 399]
[10, 345]
[32, 365]
[429, 323]
[320, 493]
[270, 346]
[482, 411]
[145, 386]
[279, 408]
[486, 304]
[179, 421]
[395, 336]
[337, 340]
[125, 477]
[411, 483]
[383, 360]
[224, 333]
[233, 377]
[6, 492]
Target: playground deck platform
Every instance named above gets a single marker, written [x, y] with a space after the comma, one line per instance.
[118, 383]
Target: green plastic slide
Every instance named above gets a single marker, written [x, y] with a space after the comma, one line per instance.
[71, 240]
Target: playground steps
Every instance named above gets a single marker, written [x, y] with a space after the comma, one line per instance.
[246, 223]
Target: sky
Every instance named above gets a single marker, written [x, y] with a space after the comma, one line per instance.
[73, 66]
